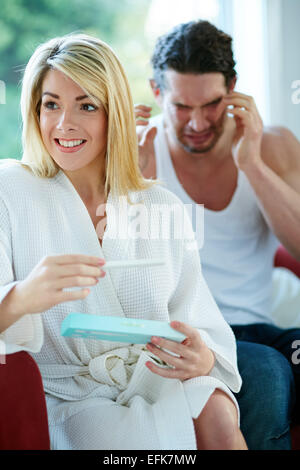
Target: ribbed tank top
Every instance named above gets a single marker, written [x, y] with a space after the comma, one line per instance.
[238, 250]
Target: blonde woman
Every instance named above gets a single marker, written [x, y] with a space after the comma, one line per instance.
[80, 154]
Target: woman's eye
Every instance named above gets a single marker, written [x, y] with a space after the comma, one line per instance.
[50, 105]
[89, 107]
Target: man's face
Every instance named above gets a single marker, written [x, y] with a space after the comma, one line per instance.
[194, 110]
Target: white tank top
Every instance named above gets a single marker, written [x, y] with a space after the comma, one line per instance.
[238, 250]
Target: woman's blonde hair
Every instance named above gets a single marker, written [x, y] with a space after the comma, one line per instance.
[92, 65]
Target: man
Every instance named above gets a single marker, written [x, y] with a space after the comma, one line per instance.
[248, 178]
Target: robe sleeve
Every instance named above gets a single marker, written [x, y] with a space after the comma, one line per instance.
[192, 303]
[26, 334]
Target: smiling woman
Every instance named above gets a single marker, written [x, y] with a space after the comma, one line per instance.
[80, 149]
[69, 85]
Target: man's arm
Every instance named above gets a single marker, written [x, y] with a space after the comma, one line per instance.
[281, 152]
[276, 182]
[271, 162]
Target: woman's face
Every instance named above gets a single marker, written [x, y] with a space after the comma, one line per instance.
[74, 130]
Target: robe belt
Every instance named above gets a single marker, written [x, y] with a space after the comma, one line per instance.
[113, 367]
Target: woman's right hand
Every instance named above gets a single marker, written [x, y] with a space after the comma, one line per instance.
[43, 287]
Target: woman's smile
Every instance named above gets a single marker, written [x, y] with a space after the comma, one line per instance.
[69, 146]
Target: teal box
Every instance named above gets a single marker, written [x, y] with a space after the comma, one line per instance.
[119, 329]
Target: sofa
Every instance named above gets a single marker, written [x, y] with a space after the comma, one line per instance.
[23, 413]
[284, 260]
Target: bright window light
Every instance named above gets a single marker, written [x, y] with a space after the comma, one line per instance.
[164, 14]
[249, 34]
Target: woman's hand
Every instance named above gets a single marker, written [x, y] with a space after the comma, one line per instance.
[193, 359]
[43, 287]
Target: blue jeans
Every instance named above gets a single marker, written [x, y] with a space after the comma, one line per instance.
[270, 394]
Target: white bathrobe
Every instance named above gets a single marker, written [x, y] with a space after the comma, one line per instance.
[100, 395]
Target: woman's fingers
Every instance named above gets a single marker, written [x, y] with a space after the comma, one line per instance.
[169, 345]
[75, 281]
[190, 358]
[43, 287]
[80, 270]
[74, 259]
[165, 372]
[169, 359]
[68, 296]
[189, 331]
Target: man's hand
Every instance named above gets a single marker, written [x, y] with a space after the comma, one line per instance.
[249, 130]
[193, 358]
[146, 135]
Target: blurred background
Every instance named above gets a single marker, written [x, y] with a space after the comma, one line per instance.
[265, 32]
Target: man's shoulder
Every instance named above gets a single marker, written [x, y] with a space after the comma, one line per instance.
[280, 149]
[278, 134]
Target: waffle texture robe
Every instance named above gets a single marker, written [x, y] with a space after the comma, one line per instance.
[100, 395]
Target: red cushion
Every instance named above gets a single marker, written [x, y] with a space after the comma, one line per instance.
[23, 413]
[285, 260]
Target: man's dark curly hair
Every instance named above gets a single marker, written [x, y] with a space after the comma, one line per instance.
[196, 47]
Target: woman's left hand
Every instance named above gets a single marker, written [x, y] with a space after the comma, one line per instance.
[193, 358]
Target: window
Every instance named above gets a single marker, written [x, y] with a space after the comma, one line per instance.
[244, 20]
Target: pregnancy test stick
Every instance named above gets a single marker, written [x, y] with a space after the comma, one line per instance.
[136, 263]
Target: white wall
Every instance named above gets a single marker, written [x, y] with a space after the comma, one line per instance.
[250, 51]
[266, 46]
[284, 62]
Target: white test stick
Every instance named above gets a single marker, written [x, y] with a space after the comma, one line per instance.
[135, 263]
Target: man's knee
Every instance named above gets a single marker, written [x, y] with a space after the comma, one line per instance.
[265, 372]
[267, 395]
